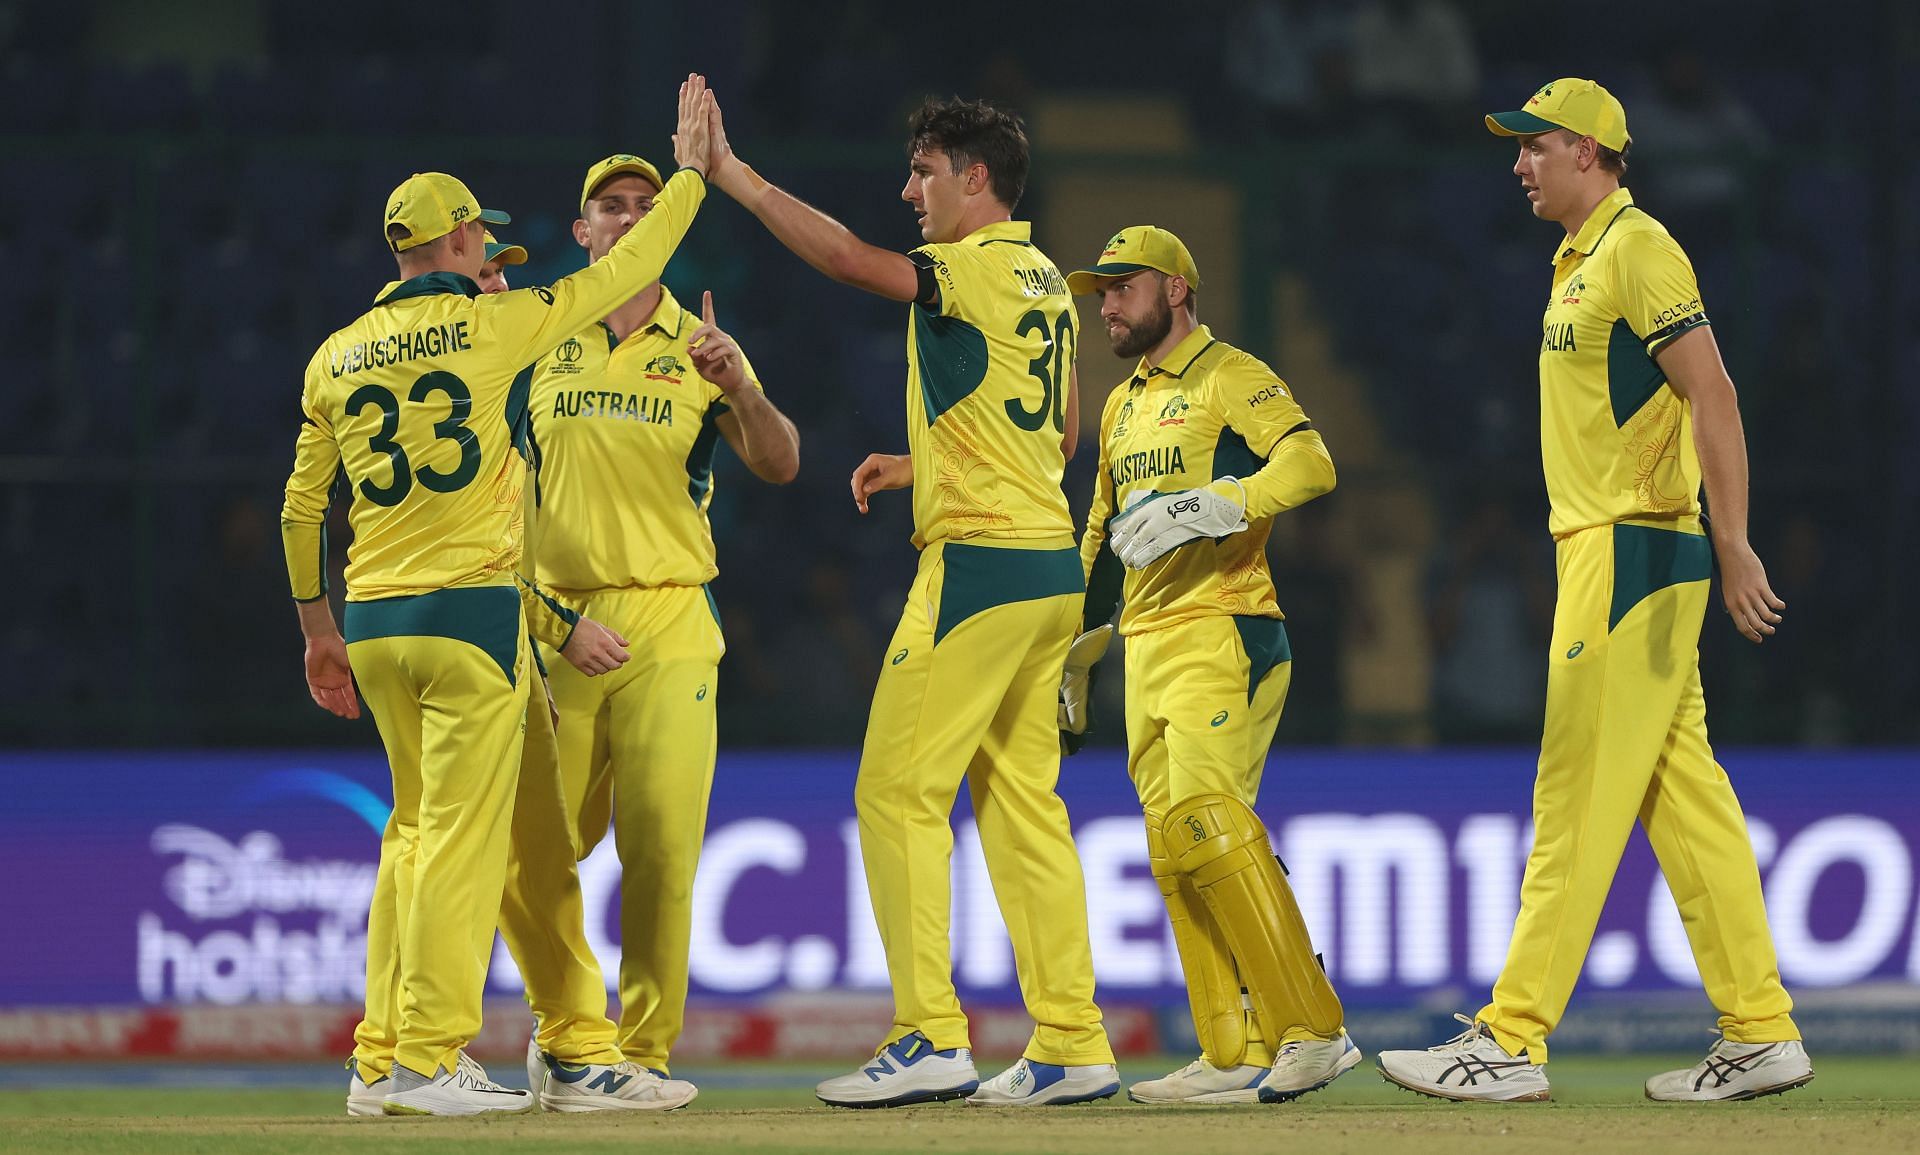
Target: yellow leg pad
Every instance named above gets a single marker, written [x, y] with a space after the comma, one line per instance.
[1213, 986]
[1219, 845]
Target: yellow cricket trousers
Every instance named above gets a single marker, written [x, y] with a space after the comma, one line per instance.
[541, 918]
[1626, 738]
[969, 690]
[1203, 701]
[637, 745]
[445, 676]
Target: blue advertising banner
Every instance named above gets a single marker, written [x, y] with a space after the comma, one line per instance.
[233, 878]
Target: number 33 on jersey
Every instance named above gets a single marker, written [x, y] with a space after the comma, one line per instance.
[988, 363]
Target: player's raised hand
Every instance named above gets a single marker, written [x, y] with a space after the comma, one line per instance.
[1749, 599]
[693, 139]
[594, 649]
[881, 471]
[330, 678]
[716, 356]
[727, 167]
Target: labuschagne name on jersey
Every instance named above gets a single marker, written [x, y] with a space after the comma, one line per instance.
[433, 341]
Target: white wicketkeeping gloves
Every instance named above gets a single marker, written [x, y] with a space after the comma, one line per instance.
[1165, 521]
[1076, 684]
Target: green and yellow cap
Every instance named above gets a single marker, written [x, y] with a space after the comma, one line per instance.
[1132, 249]
[429, 205]
[505, 254]
[619, 164]
[1580, 105]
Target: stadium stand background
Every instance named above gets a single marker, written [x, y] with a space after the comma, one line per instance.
[186, 209]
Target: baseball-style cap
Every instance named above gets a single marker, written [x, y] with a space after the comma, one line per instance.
[1135, 248]
[429, 205]
[505, 254]
[1571, 103]
[619, 164]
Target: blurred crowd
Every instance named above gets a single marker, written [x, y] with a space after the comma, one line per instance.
[186, 209]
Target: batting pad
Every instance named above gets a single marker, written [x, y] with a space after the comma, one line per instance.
[1220, 846]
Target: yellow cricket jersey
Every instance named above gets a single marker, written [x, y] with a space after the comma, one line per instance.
[1616, 442]
[1207, 411]
[623, 436]
[420, 401]
[989, 352]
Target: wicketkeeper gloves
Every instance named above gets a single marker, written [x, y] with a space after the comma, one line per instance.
[1166, 521]
[1076, 686]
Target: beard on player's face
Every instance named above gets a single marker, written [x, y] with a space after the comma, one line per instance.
[1135, 338]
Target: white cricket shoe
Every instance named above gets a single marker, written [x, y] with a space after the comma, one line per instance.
[1031, 1084]
[573, 1088]
[465, 1090]
[1736, 1071]
[1470, 1067]
[536, 1069]
[1307, 1066]
[1202, 1082]
[907, 1070]
[364, 1099]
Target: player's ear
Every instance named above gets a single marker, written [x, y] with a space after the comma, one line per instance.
[580, 236]
[978, 179]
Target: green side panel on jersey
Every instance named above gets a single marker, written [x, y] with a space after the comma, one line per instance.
[713, 607]
[1632, 376]
[952, 356]
[519, 415]
[1105, 584]
[980, 577]
[1265, 640]
[485, 617]
[1233, 457]
[700, 457]
[1646, 559]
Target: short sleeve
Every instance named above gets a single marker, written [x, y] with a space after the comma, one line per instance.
[1657, 293]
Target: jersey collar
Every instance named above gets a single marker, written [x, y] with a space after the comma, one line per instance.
[669, 318]
[1018, 232]
[1601, 219]
[1179, 360]
[426, 284]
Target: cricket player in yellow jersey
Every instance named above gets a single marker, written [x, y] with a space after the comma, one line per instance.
[626, 413]
[973, 671]
[1199, 449]
[542, 915]
[416, 402]
[1636, 411]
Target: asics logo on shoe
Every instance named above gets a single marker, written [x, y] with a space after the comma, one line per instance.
[1722, 1071]
[1471, 1068]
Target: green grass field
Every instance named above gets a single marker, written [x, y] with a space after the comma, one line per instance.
[1856, 1104]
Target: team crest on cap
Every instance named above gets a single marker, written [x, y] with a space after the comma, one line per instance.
[1113, 246]
[1546, 90]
